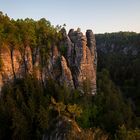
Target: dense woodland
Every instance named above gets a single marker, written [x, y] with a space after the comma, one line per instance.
[122, 62]
[119, 54]
[27, 106]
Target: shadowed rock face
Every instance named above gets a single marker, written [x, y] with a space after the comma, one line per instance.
[91, 43]
[83, 58]
[73, 67]
[66, 73]
[60, 129]
[63, 128]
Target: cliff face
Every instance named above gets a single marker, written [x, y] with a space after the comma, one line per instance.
[72, 62]
[83, 58]
[14, 64]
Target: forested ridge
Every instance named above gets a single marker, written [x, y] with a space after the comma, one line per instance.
[119, 53]
[28, 107]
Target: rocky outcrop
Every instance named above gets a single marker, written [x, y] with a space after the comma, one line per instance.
[83, 59]
[63, 128]
[14, 64]
[66, 73]
[71, 62]
[91, 43]
[60, 129]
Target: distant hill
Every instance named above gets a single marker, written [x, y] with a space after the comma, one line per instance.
[120, 54]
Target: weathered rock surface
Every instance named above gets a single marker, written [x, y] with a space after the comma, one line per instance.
[83, 59]
[63, 128]
[66, 73]
[74, 64]
[91, 43]
[14, 64]
[60, 129]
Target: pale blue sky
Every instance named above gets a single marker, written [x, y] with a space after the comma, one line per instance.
[99, 15]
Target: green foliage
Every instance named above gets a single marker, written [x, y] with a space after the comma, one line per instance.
[66, 110]
[119, 54]
[84, 120]
[25, 109]
[58, 106]
[63, 50]
[38, 35]
[124, 134]
[119, 38]
[87, 86]
[43, 118]
[28, 107]
[74, 110]
[113, 111]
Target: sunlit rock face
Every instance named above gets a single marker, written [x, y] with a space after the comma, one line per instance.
[73, 65]
[14, 64]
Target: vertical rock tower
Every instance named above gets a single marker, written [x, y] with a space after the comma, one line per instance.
[82, 59]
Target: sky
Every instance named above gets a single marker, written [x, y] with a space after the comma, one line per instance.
[99, 15]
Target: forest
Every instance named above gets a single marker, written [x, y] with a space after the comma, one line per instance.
[28, 106]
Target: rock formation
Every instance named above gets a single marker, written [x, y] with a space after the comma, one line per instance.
[66, 73]
[72, 62]
[83, 59]
[63, 128]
